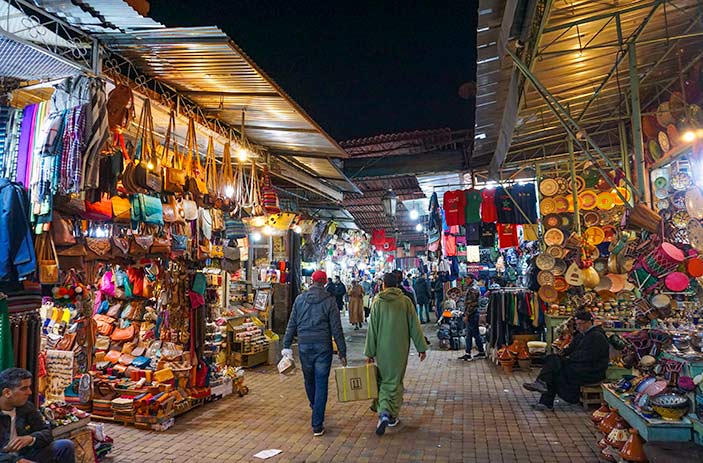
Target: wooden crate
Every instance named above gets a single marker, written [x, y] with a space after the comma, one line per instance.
[249, 360]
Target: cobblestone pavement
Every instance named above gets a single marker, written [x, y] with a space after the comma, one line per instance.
[454, 411]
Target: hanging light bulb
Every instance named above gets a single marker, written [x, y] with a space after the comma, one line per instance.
[414, 214]
[418, 227]
[688, 136]
[242, 153]
[150, 165]
[256, 236]
[298, 229]
[268, 230]
[229, 191]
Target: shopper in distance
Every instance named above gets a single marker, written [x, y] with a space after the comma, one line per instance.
[471, 318]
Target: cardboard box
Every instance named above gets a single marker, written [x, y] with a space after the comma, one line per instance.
[356, 383]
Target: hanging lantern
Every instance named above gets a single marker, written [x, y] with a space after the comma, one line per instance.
[389, 201]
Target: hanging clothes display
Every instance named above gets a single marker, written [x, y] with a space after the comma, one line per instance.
[488, 206]
[512, 311]
[454, 204]
[472, 209]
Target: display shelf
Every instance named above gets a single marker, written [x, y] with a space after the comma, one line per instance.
[67, 429]
[650, 429]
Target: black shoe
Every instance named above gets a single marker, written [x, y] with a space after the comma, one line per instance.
[540, 407]
[319, 431]
[537, 386]
[481, 355]
[383, 421]
[465, 357]
[393, 422]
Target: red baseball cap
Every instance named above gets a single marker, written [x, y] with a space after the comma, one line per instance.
[319, 275]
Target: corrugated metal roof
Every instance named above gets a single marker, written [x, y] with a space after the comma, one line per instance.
[575, 60]
[111, 15]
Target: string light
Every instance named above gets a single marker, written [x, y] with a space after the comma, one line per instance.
[229, 191]
[418, 227]
[414, 214]
[256, 236]
[242, 153]
[268, 230]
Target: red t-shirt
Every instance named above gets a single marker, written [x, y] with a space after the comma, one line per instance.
[454, 203]
[507, 235]
[488, 206]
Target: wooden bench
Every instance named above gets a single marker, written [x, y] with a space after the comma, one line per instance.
[591, 394]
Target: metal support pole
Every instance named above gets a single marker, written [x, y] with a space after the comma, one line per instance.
[624, 153]
[637, 141]
[571, 127]
[574, 190]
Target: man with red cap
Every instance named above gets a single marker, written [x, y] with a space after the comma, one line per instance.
[315, 320]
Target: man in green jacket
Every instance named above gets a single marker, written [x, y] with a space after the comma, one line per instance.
[393, 323]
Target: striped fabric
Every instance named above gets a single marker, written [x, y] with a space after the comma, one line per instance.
[96, 136]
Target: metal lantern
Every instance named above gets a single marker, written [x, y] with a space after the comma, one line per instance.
[389, 202]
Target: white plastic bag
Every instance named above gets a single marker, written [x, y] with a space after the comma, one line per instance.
[286, 365]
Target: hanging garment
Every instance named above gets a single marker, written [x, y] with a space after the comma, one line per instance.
[7, 356]
[26, 144]
[526, 198]
[472, 209]
[17, 257]
[505, 208]
[454, 204]
[488, 235]
[97, 134]
[488, 206]
[507, 235]
[473, 233]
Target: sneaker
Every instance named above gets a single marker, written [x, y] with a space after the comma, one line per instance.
[466, 357]
[540, 407]
[537, 386]
[393, 422]
[481, 355]
[382, 423]
[318, 432]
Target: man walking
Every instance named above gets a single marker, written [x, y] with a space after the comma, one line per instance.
[339, 291]
[422, 293]
[315, 320]
[438, 294]
[471, 317]
[393, 323]
[24, 435]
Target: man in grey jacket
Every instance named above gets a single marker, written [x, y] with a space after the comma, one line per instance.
[315, 320]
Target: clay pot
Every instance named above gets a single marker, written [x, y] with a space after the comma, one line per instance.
[599, 414]
[618, 435]
[505, 356]
[633, 450]
[606, 425]
[524, 364]
[507, 366]
[514, 348]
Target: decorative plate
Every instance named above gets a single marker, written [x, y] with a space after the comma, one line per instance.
[548, 187]
[559, 267]
[563, 185]
[566, 221]
[661, 183]
[580, 184]
[601, 266]
[673, 133]
[663, 204]
[609, 231]
[680, 219]
[654, 150]
[605, 201]
[551, 221]
[545, 278]
[589, 199]
[694, 203]
[562, 204]
[547, 206]
[663, 141]
[594, 235]
[661, 193]
[555, 251]
[681, 181]
[695, 234]
[548, 294]
[591, 218]
[625, 194]
[544, 262]
[679, 200]
[554, 237]
[560, 284]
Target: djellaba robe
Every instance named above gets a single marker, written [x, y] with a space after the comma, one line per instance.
[356, 304]
[393, 323]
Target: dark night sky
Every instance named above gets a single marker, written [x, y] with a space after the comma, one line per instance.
[359, 68]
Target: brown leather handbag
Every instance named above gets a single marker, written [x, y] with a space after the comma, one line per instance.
[121, 209]
[161, 245]
[123, 334]
[104, 324]
[174, 176]
[113, 356]
[62, 230]
[66, 342]
[98, 248]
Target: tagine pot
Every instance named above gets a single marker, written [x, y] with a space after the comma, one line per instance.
[608, 423]
[633, 450]
[599, 414]
[514, 348]
[618, 435]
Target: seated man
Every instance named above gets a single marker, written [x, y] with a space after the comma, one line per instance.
[24, 435]
[583, 362]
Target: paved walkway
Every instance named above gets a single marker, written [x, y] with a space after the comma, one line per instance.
[454, 412]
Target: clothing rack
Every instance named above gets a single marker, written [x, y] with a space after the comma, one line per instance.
[510, 311]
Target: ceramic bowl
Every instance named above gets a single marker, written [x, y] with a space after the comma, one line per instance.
[670, 406]
[642, 385]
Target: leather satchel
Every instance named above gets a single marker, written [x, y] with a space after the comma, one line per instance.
[190, 209]
[123, 334]
[104, 324]
[113, 356]
[62, 230]
[141, 244]
[174, 176]
[47, 260]
[121, 209]
[161, 245]
[99, 211]
[120, 246]
[102, 342]
[114, 310]
[151, 210]
[66, 342]
[98, 248]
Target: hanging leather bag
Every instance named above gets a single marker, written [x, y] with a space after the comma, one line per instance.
[48, 260]
[174, 175]
[62, 230]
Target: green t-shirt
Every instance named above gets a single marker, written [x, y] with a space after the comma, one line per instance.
[472, 210]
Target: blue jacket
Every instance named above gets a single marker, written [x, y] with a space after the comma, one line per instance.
[28, 422]
[315, 319]
[17, 257]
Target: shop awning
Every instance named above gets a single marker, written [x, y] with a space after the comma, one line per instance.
[579, 52]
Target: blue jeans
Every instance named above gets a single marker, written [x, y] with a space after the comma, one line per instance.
[59, 451]
[423, 308]
[472, 333]
[438, 306]
[316, 361]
